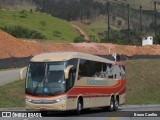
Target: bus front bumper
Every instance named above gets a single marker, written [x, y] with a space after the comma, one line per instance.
[61, 106]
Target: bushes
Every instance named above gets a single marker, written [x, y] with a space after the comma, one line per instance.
[21, 32]
[79, 39]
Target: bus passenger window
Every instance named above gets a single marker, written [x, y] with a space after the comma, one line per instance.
[72, 73]
[82, 69]
[122, 71]
[110, 71]
[70, 81]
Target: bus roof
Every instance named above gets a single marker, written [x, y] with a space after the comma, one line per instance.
[64, 56]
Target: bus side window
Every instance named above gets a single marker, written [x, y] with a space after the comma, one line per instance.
[82, 69]
[110, 71]
[97, 69]
[72, 72]
[123, 71]
[104, 70]
[70, 81]
[117, 72]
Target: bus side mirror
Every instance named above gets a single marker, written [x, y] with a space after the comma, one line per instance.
[22, 73]
[66, 71]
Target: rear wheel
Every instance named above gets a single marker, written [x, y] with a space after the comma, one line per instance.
[116, 104]
[79, 107]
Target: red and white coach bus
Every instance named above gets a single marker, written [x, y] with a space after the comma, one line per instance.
[62, 81]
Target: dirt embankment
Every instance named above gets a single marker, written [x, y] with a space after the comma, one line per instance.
[12, 47]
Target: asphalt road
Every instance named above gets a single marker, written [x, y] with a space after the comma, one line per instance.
[7, 76]
[124, 113]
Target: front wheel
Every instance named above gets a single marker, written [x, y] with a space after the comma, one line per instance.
[111, 107]
[79, 107]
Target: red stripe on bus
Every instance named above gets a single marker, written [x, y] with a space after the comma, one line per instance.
[97, 90]
[122, 91]
[88, 96]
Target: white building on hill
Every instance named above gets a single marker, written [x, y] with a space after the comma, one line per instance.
[147, 40]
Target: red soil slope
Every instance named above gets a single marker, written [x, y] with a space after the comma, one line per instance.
[12, 47]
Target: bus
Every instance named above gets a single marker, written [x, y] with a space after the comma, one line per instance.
[62, 81]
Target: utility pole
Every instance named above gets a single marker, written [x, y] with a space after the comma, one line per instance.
[155, 13]
[128, 9]
[140, 27]
[108, 9]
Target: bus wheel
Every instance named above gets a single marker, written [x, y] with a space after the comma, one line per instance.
[111, 107]
[79, 107]
[116, 104]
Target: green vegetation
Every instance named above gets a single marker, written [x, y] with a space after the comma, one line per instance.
[142, 85]
[21, 32]
[42, 24]
[146, 4]
[17, 4]
[92, 34]
[79, 39]
[12, 94]
[143, 81]
[99, 33]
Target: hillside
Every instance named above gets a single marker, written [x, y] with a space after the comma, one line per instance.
[146, 4]
[12, 47]
[92, 10]
[96, 28]
[30, 4]
[50, 27]
[77, 10]
[17, 4]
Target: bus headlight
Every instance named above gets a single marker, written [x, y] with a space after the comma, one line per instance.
[28, 99]
[60, 99]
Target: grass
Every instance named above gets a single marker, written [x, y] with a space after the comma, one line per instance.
[142, 85]
[87, 30]
[99, 25]
[143, 81]
[51, 27]
[12, 95]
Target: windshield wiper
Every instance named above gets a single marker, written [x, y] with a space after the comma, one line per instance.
[37, 86]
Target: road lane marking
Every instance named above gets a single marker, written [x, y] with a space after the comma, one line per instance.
[113, 118]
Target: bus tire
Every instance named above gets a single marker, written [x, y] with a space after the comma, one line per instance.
[111, 107]
[79, 107]
[116, 104]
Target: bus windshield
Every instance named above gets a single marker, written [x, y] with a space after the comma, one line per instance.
[44, 79]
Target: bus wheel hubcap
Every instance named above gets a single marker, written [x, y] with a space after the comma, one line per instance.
[111, 105]
[116, 104]
[79, 107]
